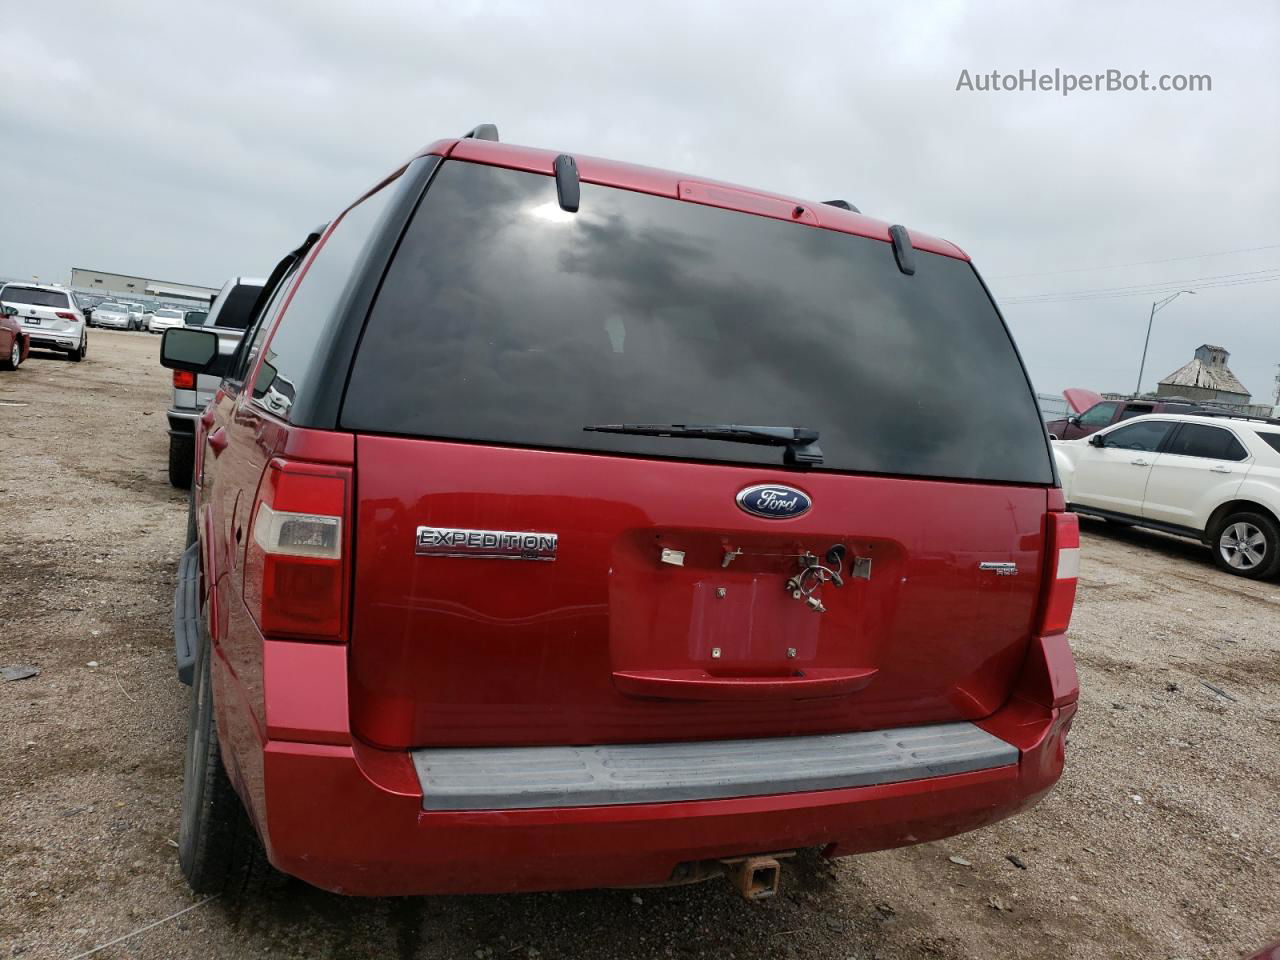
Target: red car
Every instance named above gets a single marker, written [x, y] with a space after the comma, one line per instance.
[14, 343]
[1094, 413]
[561, 523]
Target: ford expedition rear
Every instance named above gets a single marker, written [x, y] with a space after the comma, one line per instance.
[561, 523]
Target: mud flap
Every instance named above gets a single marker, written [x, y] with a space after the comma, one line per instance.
[186, 613]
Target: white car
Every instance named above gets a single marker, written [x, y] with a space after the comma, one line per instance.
[113, 315]
[166, 318]
[50, 316]
[1213, 477]
[137, 315]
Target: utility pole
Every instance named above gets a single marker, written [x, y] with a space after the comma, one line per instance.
[1158, 305]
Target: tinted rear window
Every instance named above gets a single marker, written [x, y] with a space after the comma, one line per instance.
[234, 307]
[34, 297]
[503, 319]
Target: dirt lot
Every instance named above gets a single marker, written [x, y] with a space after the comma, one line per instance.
[1162, 841]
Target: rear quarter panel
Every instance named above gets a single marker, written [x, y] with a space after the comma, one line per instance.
[1261, 485]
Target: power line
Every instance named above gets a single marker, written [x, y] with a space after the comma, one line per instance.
[1156, 291]
[1135, 263]
[1146, 284]
[1137, 293]
[1151, 285]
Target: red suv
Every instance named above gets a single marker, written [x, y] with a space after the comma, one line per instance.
[1104, 413]
[563, 523]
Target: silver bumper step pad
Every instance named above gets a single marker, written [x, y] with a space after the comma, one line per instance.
[515, 778]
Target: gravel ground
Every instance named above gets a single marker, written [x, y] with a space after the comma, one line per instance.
[1162, 840]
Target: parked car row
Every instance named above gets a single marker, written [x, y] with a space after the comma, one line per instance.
[130, 315]
[49, 316]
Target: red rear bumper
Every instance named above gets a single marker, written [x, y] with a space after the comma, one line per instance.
[349, 818]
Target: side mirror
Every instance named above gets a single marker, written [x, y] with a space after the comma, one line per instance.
[188, 348]
[1096, 440]
[1074, 420]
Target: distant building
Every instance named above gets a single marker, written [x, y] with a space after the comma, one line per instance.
[1206, 377]
[127, 287]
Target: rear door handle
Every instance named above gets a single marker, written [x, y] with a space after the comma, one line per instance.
[218, 441]
[1219, 468]
[1140, 462]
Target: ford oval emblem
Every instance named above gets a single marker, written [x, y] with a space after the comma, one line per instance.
[774, 501]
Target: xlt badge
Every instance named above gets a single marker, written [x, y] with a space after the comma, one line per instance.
[501, 544]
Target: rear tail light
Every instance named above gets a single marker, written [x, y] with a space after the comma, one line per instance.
[1062, 542]
[184, 379]
[64, 315]
[295, 572]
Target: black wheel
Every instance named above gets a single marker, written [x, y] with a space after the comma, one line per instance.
[218, 849]
[78, 355]
[1248, 545]
[15, 355]
[182, 458]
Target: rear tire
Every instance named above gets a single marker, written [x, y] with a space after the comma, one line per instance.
[218, 849]
[1247, 544]
[12, 361]
[82, 352]
[182, 460]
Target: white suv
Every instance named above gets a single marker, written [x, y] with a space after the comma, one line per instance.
[1213, 477]
[50, 316]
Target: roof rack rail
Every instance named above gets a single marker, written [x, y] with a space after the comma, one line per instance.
[843, 205]
[1229, 415]
[482, 131]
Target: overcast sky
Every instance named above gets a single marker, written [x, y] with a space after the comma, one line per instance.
[191, 144]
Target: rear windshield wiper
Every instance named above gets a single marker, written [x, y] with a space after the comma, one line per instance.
[801, 442]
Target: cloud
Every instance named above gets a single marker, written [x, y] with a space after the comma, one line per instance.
[197, 144]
